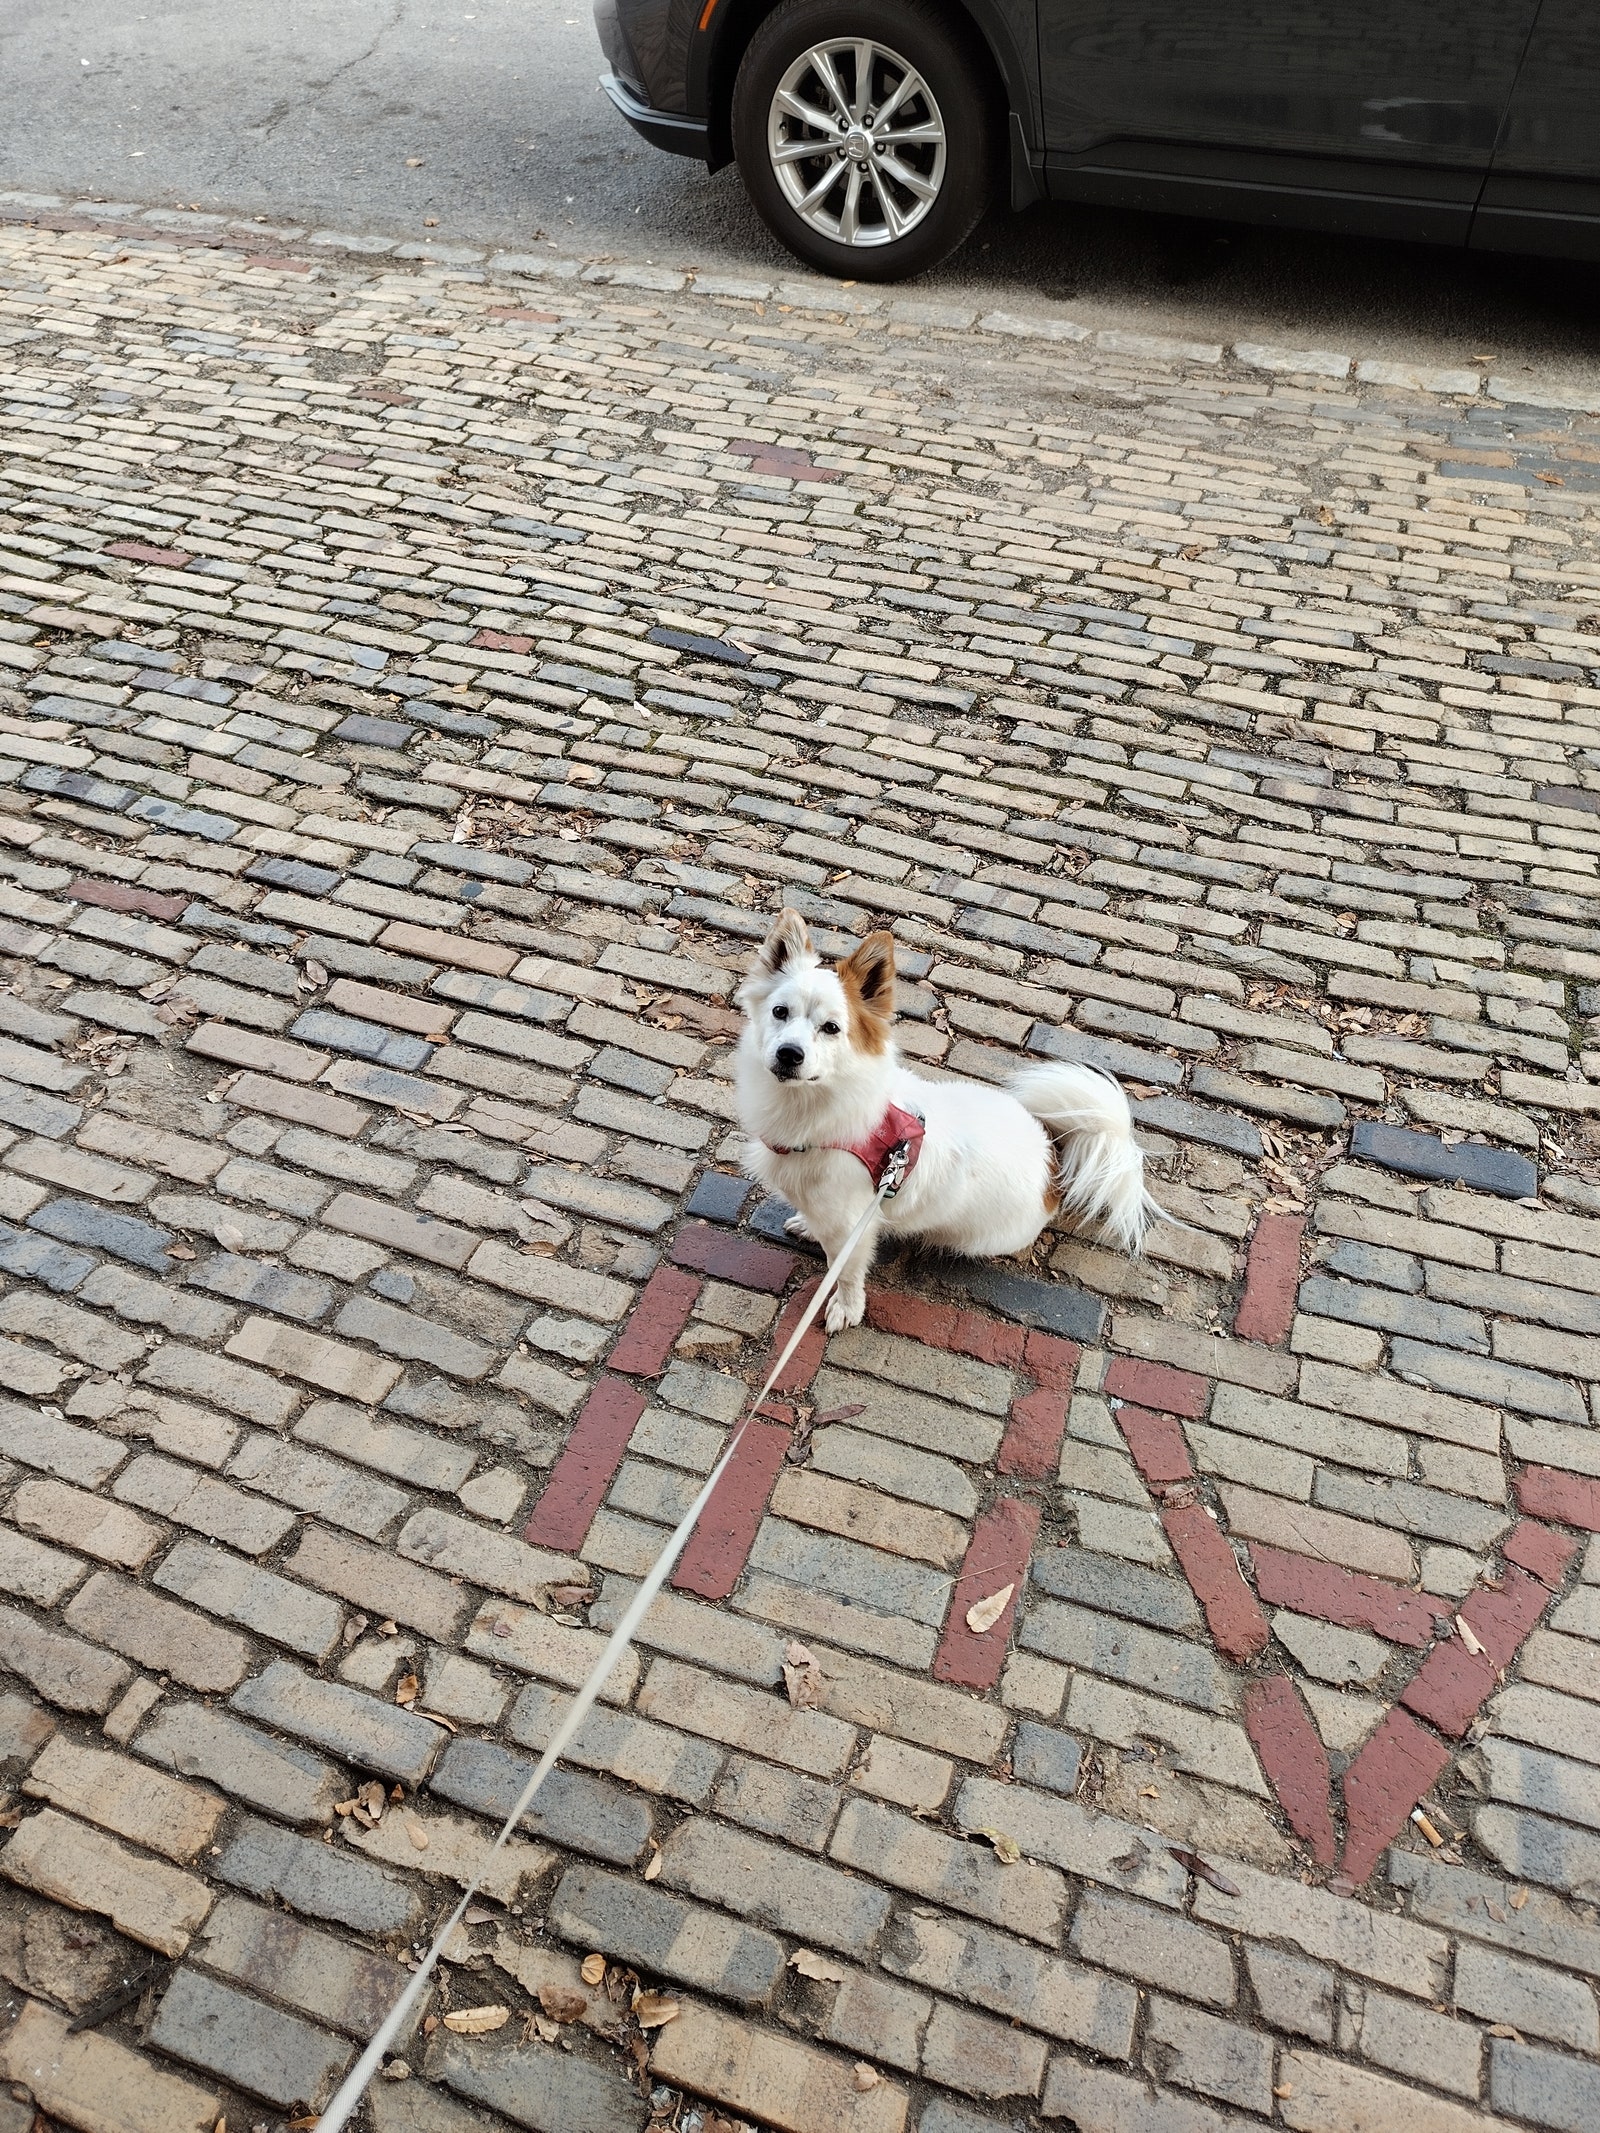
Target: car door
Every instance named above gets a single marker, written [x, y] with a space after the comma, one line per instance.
[1543, 193]
[1375, 113]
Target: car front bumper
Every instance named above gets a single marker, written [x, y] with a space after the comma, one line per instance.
[663, 129]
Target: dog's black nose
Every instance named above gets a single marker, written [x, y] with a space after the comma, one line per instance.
[787, 1061]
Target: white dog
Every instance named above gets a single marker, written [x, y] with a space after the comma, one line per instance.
[825, 1100]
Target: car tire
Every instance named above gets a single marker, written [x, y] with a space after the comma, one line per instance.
[909, 180]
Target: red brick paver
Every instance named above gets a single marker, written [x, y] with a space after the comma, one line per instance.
[655, 1322]
[1570, 1499]
[1294, 1759]
[727, 1256]
[721, 1543]
[1168, 1391]
[1238, 1627]
[580, 1477]
[997, 1555]
[1272, 1276]
[1387, 1779]
[1348, 1597]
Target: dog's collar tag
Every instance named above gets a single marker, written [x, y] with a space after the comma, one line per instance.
[889, 1152]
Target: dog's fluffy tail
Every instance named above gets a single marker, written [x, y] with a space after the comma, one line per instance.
[1101, 1167]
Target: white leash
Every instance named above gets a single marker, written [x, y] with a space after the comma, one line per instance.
[354, 2085]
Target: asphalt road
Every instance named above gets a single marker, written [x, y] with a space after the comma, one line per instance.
[380, 114]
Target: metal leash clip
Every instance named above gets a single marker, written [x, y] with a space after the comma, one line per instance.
[895, 1165]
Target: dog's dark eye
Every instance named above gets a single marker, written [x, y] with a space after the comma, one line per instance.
[830, 1029]
[780, 1014]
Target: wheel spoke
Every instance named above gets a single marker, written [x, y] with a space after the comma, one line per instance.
[828, 75]
[808, 114]
[913, 180]
[819, 192]
[800, 151]
[894, 221]
[863, 80]
[908, 84]
[925, 133]
[849, 223]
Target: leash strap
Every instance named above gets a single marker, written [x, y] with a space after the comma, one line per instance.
[354, 2085]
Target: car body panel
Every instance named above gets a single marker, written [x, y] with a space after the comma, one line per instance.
[1543, 190]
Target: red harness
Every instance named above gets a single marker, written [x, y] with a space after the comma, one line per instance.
[896, 1140]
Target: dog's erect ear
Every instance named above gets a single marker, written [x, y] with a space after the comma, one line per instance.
[868, 977]
[786, 945]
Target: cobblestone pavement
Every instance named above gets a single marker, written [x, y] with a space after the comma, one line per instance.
[419, 690]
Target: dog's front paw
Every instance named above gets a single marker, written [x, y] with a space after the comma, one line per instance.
[798, 1226]
[844, 1310]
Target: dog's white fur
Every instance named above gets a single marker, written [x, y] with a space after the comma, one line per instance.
[995, 1163]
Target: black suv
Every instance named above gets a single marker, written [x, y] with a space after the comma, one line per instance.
[872, 133]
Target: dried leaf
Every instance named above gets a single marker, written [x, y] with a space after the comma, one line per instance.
[1464, 1632]
[839, 1414]
[562, 2003]
[1286, 2090]
[230, 1238]
[1006, 1849]
[572, 1595]
[436, 1718]
[652, 1865]
[803, 1678]
[478, 2021]
[417, 1834]
[652, 2010]
[315, 972]
[1504, 2029]
[865, 2077]
[810, 1964]
[180, 1251]
[987, 1612]
[1202, 1869]
[1519, 1899]
[407, 1689]
[373, 1798]
[593, 1970]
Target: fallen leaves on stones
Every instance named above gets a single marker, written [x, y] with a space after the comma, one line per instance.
[652, 1865]
[1504, 2029]
[1519, 1899]
[865, 2077]
[839, 1414]
[1464, 1632]
[803, 1678]
[1006, 1849]
[407, 1689]
[562, 2003]
[593, 1969]
[1202, 1869]
[652, 2010]
[1129, 1863]
[478, 2021]
[987, 1612]
[417, 1834]
[180, 1251]
[810, 1964]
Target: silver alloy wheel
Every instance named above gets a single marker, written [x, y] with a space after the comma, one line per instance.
[857, 142]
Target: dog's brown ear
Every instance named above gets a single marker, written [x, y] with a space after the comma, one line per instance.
[786, 944]
[868, 981]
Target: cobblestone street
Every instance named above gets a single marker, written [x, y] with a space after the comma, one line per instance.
[422, 680]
